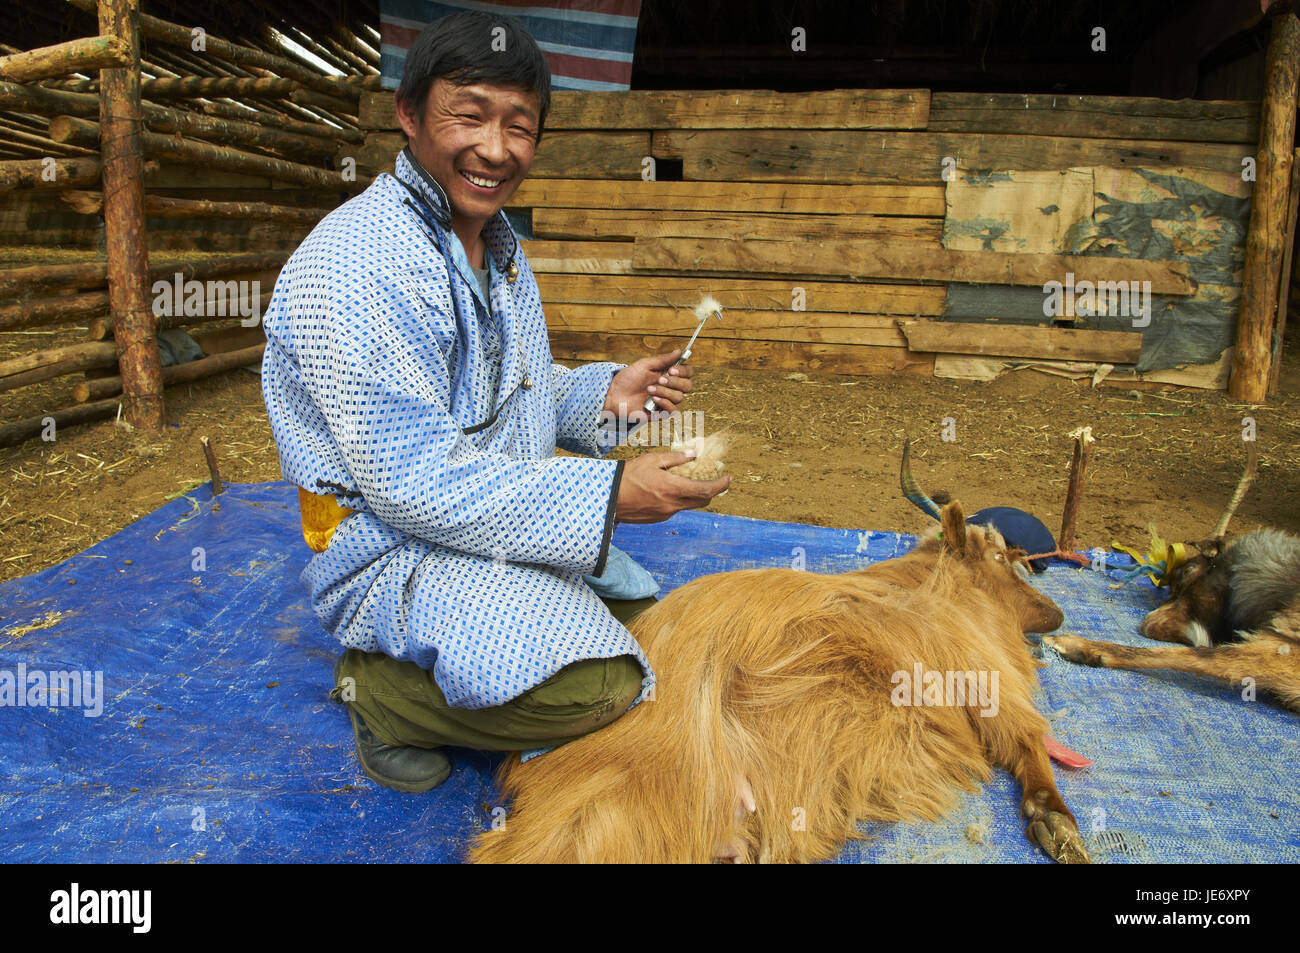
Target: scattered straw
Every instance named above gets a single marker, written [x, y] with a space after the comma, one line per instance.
[47, 621]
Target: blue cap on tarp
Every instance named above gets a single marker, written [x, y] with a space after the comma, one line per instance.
[1019, 529]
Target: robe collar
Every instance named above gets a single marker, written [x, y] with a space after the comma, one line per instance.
[498, 236]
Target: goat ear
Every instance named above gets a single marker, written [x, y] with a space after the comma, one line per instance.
[954, 528]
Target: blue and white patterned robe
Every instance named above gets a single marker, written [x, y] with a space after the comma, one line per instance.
[467, 552]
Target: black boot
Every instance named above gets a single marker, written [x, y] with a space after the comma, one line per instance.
[402, 768]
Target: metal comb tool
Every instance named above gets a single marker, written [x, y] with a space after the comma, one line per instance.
[707, 308]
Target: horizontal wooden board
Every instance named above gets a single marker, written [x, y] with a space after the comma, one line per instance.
[854, 359]
[915, 158]
[865, 259]
[752, 294]
[921, 200]
[742, 109]
[608, 155]
[604, 258]
[1095, 117]
[710, 109]
[736, 324]
[1058, 344]
[602, 155]
[585, 224]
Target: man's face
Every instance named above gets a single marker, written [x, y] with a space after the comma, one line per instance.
[477, 141]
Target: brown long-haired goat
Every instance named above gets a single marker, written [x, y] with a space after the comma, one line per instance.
[778, 721]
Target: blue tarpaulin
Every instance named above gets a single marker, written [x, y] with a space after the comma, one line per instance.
[217, 741]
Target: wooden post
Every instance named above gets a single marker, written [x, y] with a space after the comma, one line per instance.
[1083, 441]
[1268, 212]
[1284, 284]
[120, 120]
[212, 466]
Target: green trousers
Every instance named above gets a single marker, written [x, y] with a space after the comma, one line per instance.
[402, 705]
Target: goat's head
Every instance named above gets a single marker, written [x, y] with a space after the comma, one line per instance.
[1198, 591]
[995, 568]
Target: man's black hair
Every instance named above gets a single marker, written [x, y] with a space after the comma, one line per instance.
[459, 49]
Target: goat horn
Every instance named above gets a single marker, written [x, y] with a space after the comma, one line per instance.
[1247, 476]
[907, 483]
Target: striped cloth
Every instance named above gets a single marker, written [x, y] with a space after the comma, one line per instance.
[588, 43]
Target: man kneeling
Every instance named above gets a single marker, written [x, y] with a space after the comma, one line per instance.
[411, 391]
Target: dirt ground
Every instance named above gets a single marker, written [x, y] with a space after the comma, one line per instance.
[821, 450]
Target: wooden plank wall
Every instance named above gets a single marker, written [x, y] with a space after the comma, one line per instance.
[817, 219]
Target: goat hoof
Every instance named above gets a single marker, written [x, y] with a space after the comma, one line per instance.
[1057, 835]
[1073, 649]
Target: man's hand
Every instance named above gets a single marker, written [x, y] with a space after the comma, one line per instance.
[659, 377]
[648, 493]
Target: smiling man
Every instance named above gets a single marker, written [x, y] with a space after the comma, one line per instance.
[414, 401]
[477, 139]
